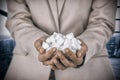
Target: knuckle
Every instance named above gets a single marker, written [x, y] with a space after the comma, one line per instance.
[45, 63]
[85, 48]
[62, 57]
[55, 61]
[63, 68]
[65, 63]
[49, 52]
[80, 61]
[53, 67]
[48, 56]
[35, 44]
[39, 49]
[59, 52]
[41, 58]
[51, 62]
[70, 54]
[68, 64]
[72, 65]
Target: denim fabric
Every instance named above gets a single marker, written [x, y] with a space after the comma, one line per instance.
[113, 47]
[6, 48]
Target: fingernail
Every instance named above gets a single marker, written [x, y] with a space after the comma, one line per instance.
[54, 49]
[66, 50]
[41, 50]
[80, 55]
[58, 54]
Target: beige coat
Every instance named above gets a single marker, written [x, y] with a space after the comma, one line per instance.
[90, 20]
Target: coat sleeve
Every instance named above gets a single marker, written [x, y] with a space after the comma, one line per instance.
[22, 28]
[100, 27]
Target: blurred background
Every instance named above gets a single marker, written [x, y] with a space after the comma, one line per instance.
[7, 44]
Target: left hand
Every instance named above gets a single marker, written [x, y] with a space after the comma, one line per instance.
[70, 59]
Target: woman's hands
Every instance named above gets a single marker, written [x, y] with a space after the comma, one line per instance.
[48, 57]
[58, 59]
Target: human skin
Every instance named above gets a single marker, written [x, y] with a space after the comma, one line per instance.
[59, 60]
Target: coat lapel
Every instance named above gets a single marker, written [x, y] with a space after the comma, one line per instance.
[60, 5]
[53, 7]
[56, 9]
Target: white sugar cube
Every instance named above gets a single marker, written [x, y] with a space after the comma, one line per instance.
[79, 47]
[54, 34]
[45, 45]
[60, 41]
[76, 43]
[58, 36]
[70, 36]
[51, 39]
[79, 42]
[73, 50]
[55, 45]
[67, 41]
[48, 48]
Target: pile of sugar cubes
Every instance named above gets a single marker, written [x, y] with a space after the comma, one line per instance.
[61, 42]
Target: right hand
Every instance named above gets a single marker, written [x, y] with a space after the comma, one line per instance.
[43, 55]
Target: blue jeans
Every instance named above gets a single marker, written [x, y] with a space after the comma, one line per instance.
[6, 48]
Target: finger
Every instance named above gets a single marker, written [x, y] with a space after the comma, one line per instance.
[38, 46]
[53, 67]
[49, 62]
[80, 60]
[49, 54]
[64, 60]
[70, 55]
[80, 53]
[80, 56]
[38, 43]
[41, 50]
[57, 63]
[43, 38]
[84, 46]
